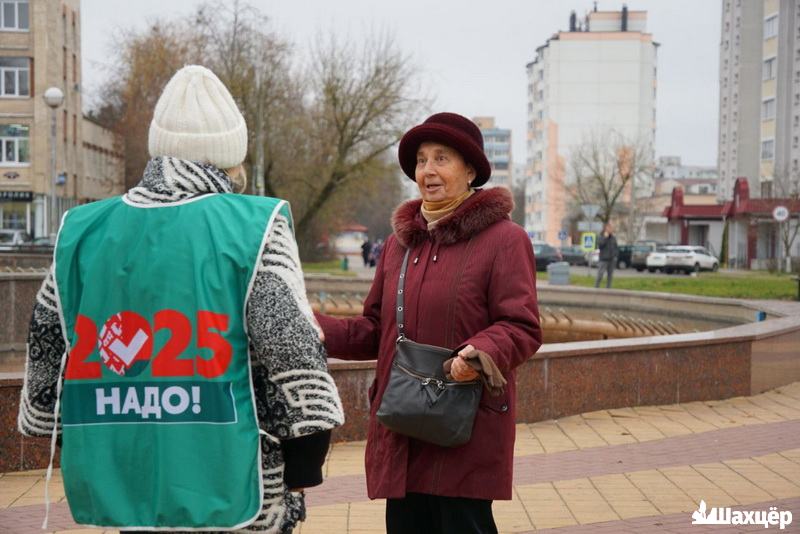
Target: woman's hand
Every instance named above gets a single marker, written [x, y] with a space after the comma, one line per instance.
[461, 371]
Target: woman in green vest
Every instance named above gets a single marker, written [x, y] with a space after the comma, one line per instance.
[158, 330]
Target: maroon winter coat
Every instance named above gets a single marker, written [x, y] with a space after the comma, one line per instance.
[471, 280]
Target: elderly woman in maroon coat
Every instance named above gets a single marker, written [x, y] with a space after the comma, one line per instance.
[470, 283]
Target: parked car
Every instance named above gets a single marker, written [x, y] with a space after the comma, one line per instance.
[641, 249]
[38, 245]
[691, 259]
[574, 255]
[545, 255]
[593, 257]
[12, 239]
[43, 241]
[657, 259]
[623, 258]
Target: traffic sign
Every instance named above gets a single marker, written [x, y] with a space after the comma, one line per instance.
[780, 213]
[588, 240]
[562, 235]
[586, 226]
[590, 210]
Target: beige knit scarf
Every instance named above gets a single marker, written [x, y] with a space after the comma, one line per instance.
[433, 212]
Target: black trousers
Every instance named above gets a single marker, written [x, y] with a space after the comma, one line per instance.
[419, 513]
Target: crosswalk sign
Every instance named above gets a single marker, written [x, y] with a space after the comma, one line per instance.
[588, 241]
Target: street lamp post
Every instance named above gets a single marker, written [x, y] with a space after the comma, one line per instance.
[53, 97]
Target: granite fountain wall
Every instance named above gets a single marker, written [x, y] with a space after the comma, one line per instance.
[559, 380]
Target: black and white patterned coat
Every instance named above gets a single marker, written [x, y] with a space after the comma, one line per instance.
[296, 399]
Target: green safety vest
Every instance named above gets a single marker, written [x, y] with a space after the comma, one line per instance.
[158, 412]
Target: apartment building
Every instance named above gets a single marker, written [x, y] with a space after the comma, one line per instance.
[40, 47]
[759, 117]
[598, 76]
[497, 145]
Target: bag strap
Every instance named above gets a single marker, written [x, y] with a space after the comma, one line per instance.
[401, 284]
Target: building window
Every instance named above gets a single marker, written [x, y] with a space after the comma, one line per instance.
[74, 129]
[66, 120]
[15, 76]
[74, 68]
[14, 14]
[771, 27]
[768, 109]
[769, 68]
[64, 63]
[768, 149]
[14, 144]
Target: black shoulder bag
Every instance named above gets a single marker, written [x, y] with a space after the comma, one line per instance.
[419, 401]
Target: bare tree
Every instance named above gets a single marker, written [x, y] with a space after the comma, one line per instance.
[256, 65]
[361, 101]
[145, 62]
[607, 169]
[317, 134]
[786, 185]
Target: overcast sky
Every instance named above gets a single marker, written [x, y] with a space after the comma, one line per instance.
[471, 56]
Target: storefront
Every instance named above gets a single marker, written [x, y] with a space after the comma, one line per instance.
[753, 239]
[17, 210]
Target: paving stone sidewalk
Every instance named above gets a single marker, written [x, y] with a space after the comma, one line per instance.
[642, 469]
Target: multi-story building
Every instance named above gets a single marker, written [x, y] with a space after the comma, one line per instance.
[698, 184]
[518, 175]
[497, 145]
[672, 167]
[759, 117]
[103, 163]
[599, 76]
[40, 47]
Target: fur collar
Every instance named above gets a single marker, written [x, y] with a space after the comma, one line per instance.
[478, 212]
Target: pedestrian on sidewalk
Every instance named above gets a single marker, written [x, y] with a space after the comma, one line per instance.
[609, 253]
[469, 287]
[366, 250]
[375, 255]
[196, 394]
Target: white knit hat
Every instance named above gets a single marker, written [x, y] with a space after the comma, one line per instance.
[196, 119]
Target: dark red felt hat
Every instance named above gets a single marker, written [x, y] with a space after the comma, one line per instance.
[449, 129]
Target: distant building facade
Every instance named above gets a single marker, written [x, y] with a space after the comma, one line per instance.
[698, 184]
[752, 242]
[759, 114]
[598, 76]
[40, 47]
[672, 167]
[103, 163]
[497, 145]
